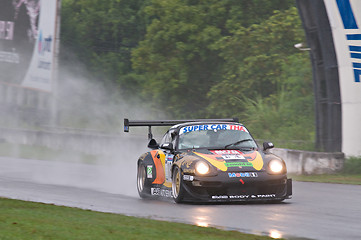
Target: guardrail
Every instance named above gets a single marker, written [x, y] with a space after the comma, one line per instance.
[304, 162]
[70, 139]
[92, 142]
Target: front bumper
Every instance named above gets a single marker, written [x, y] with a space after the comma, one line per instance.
[259, 186]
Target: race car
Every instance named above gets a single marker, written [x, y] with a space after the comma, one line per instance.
[209, 160]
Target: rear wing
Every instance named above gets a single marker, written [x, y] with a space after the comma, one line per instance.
[139, 123]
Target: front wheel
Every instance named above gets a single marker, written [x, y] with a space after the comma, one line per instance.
[141, 175]
[177, 185]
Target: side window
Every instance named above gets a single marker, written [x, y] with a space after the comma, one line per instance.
[166, 138]
[174, 138]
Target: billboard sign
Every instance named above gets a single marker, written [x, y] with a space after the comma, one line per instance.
[345, 20]
[27, 30]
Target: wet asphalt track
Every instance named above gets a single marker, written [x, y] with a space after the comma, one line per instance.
[317, 211]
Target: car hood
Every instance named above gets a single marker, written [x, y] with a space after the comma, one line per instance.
[231, 160]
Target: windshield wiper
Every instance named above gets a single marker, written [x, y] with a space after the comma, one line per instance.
[238, 142]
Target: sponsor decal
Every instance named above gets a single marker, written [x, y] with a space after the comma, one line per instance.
[232, 156]
[229, 154]
[188, 178]
[44, 44]
[238, 127]
[257, 196]
[238, 164]
[149, 171]
[161, 192]
[264, 196]
[220, 197]
[214, 127]
[168, 167]
[243, 175]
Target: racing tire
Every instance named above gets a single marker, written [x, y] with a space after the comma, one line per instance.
[141, 176]
[177, 185]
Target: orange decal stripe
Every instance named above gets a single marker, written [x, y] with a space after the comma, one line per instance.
[257, 161]
[159, 166]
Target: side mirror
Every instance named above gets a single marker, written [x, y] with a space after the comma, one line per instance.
[267, 145]
[153, 144]
[168, 146]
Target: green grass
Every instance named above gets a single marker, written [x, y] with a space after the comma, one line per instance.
[28, 220]
[352, 166]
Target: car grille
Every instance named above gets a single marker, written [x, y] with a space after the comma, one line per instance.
[217, 188]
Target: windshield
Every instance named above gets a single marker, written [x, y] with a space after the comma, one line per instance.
[220, 136]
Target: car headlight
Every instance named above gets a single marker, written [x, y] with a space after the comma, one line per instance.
[202, 168]
[276, 166]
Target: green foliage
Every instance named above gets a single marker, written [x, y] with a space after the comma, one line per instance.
[102, 34]
[214, 58]
[185, 53]
[352, 166]
[255, 58]
[267, 82]
[177, 56]
[287, 115]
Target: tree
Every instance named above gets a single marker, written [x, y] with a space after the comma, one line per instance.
[102, 34]
[182, 56]
[254, 59]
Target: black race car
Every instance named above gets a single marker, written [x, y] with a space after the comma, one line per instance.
[209, 160]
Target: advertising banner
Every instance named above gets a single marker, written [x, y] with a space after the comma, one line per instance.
[27, 30]
[345, 21]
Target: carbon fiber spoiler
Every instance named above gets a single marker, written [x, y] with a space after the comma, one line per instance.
[139, 123]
